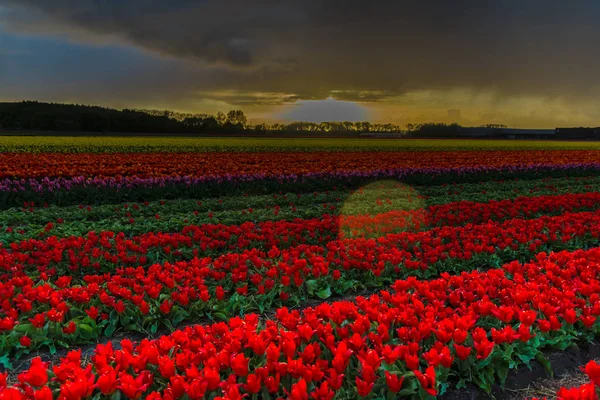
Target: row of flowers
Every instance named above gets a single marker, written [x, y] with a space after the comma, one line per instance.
[52, 306]
[82, 189]
[47, 183]
[154, 165]
[104, 251]
[417, 339]
[173, 215]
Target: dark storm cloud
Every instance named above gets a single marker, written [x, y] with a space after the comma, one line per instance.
[227, 32]
[369, 50]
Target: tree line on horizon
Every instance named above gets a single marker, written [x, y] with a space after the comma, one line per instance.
[53, 117]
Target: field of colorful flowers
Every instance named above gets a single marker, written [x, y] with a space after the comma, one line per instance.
[119, 144]
[338, 273]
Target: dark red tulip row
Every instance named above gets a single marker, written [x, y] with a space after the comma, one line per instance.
[210, 164]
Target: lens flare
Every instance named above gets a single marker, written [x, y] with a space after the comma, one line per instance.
[380, 208]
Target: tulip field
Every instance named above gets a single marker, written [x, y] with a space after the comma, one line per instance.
[314, 270]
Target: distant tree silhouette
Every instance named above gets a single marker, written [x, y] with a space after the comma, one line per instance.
[36, 116]
[433, 130]
[237, 117]
[221, 118]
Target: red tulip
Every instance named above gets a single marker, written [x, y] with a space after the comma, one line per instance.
[36, 375]
[239, 364]
[107, 382]
[363, 388]
[592, 370]
[393, 382]
[427, 380]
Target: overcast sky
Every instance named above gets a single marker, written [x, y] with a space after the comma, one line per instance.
[528, 63]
